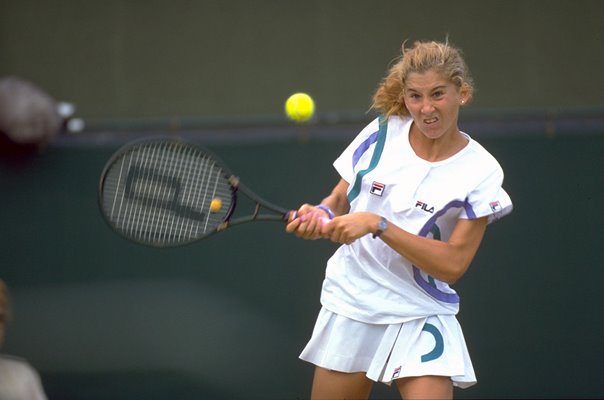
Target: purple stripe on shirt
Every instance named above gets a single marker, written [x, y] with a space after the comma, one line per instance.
[358, 153]
[454, 204]
[431, 290]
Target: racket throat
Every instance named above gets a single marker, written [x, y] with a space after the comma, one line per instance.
[256, 211]
[234, 181]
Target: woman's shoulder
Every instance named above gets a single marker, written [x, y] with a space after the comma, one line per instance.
[481, 154]
[399, 120]
[16, 366]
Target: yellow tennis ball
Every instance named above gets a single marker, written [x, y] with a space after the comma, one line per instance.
[299, 107]
[215, 205]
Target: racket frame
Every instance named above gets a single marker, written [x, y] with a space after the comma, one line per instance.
[277, 213]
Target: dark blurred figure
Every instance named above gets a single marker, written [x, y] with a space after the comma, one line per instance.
[18, 380]
[29, 119]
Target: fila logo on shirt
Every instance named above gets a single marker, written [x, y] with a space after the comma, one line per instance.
[377, 188]
[495, 206]
[424, 207]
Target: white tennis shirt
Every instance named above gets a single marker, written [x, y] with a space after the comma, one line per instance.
[19, 380]
[367, 280]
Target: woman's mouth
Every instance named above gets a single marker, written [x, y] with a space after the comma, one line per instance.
[430, 121]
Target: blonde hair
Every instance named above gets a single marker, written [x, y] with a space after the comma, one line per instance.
[4, 300]
[422, 57]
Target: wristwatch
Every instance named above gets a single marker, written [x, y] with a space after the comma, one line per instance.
[382, 226]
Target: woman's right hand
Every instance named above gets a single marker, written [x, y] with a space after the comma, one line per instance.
[308, 222]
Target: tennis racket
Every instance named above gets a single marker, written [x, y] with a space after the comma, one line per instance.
[165, 192]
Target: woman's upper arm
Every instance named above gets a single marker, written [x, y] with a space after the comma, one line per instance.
[466, 238]
[338, 199]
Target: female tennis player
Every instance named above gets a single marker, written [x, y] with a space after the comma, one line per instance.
[415, 197]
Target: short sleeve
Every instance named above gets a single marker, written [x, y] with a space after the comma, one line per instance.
[489, 198]
[357, 149]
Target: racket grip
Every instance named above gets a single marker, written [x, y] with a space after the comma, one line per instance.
[290, 216]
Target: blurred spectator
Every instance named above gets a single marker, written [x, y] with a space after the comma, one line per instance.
[29, 118]
[18, 380]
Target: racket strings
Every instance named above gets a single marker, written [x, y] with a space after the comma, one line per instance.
[161, 193]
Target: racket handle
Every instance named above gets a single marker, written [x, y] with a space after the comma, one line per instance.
[290, 216]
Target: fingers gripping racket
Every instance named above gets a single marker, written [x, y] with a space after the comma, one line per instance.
[166, 192]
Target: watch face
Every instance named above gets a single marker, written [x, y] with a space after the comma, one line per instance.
[382, 225]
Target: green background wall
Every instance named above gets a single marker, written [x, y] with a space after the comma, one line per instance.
[226, 318]
[159, 58]
[103, 318]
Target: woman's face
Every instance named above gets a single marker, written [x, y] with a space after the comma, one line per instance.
[433, 103]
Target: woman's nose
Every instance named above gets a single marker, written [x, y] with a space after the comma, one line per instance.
[427, 106]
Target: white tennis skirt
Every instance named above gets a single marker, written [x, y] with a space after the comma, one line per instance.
[425, 346]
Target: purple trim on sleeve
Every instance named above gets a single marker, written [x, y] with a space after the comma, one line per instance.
[469, 210]
[431, 290]
[358, 153]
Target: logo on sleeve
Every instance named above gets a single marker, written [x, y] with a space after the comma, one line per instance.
[424, 207]
[495, 206]
[377, 188]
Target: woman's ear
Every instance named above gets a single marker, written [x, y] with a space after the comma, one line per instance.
[465, 94]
